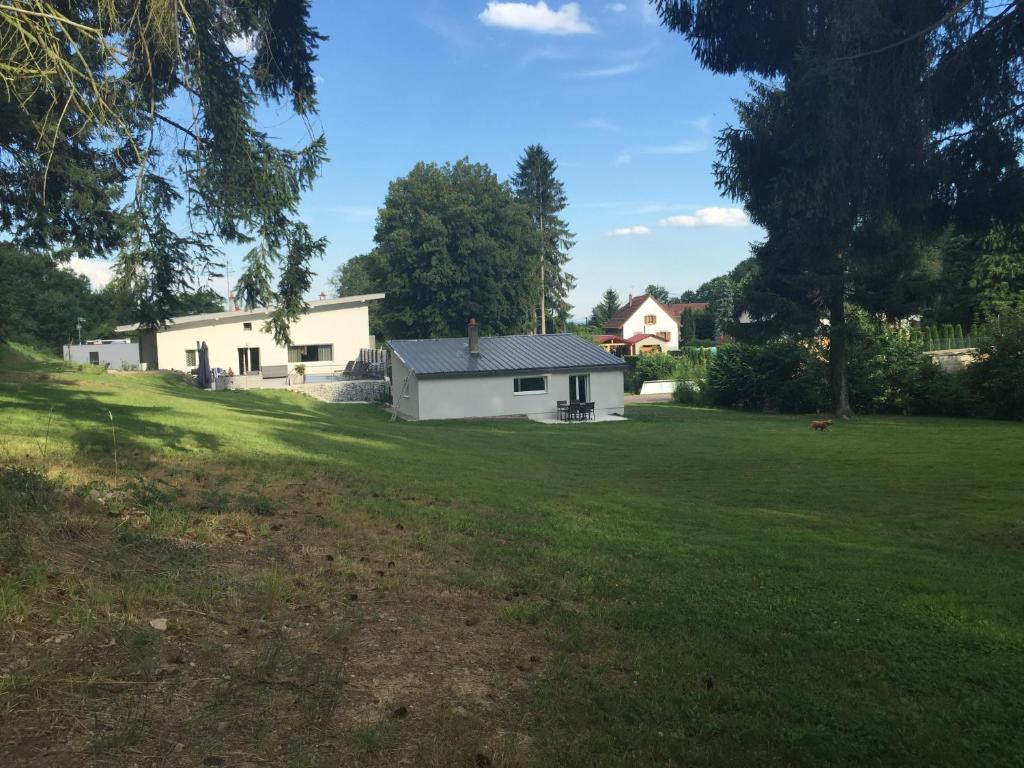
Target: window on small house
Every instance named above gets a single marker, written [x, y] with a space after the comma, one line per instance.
[246, 326]
[311, 353]
[190, 358]
[94, 358]
[529, 385]
[650, 319]
[664, 335]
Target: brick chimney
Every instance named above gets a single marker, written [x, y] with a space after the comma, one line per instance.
[473, 336]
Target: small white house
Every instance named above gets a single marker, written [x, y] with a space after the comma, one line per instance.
[324, 338]
[113, 353]
[645, 317]
[497, 376]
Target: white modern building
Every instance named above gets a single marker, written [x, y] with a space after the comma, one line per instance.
[646, 325]
[324, 338]
[113, 353]
[494, 376]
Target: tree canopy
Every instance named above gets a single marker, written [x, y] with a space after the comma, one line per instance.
[453, 242]
[867, 127]
[120, 120]
[608, 306]
[537, 187]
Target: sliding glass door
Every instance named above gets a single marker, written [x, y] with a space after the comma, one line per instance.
[579, 388]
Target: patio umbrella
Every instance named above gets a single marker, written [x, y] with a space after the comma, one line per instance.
[205, 375]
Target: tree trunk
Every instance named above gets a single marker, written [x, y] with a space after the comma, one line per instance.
[543, 288]
[837, 357]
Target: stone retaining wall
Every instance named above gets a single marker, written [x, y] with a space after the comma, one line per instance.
[358, 390]
[952, 360]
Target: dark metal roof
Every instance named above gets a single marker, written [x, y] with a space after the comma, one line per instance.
[502, 354]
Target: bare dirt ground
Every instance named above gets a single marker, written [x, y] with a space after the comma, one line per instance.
[304, 632]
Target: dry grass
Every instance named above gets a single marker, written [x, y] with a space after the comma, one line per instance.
[294, 637]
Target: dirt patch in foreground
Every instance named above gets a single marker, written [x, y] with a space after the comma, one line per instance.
[150, 626]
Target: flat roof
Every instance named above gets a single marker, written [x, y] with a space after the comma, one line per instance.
[502, 354]
[215, 317]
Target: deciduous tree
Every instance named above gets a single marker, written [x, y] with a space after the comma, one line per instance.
[453, 242]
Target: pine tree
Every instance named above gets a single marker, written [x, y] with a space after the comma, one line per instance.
[689, 327]
[132, 128]
[864, 120]
[609, 306]
[544, 196]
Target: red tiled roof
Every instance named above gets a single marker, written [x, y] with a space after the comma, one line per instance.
[626, 311]
[636, 338]
[676, 310]
[609, 338]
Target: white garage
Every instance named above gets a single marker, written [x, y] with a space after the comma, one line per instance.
[495, 376]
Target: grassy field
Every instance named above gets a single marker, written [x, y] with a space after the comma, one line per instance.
[690, 587]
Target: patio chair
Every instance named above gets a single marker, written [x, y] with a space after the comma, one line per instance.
[561, 409]
[588, 412]
[574, 412]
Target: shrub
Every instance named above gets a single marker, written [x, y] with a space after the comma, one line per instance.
[783, 375]
[652, 368]
[884, 364]
[937, 393]
[997, 376]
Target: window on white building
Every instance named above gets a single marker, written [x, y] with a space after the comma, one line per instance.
[530, 385]
[311, 353]
[190, 358]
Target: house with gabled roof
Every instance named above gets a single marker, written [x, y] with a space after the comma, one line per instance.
[502, 376]
[645, 324]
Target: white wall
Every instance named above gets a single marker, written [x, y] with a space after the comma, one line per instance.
[113, 355]
[346, 327]
[491, 396]
[404, 398]
[635, 324]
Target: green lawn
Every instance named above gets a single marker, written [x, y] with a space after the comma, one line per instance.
[690, 587]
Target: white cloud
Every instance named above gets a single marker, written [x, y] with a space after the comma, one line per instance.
[709, 217]
[682, 148]
[242, 45]
[601, 124]
[98, 272]
[630, 231]
[538, 18]
[615, 7]
[621, 69]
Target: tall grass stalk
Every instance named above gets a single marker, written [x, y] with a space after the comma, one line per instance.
[113, 434]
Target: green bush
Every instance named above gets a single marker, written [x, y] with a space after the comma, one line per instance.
[652, 368]
[937, 393]
[782, 375]
[997, 376]
[884, 364]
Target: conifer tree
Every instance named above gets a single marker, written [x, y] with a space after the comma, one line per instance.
[543, 194]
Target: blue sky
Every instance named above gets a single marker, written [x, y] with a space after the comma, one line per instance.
[617, 99]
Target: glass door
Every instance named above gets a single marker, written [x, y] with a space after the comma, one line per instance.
[579, 388]
[248, 360]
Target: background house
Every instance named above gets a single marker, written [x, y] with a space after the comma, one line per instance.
[495, 376]
[115, 353]
[645, 324]
[324, 338]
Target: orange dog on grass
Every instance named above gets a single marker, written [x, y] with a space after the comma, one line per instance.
[821, 425]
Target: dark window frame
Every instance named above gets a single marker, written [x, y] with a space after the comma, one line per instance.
[517, 385]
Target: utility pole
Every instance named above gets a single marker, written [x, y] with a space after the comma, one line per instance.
[227, 279]
[78, 325]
